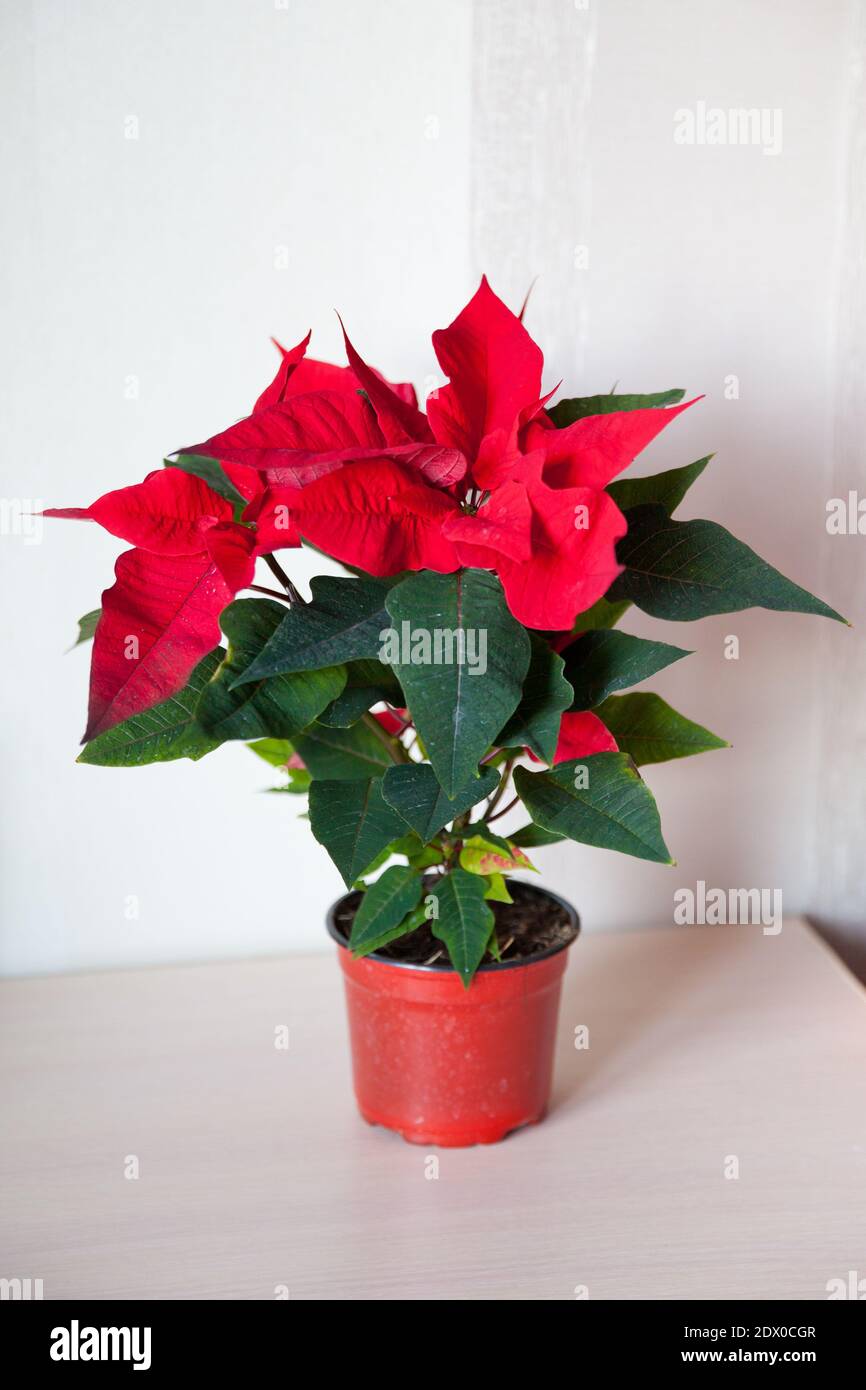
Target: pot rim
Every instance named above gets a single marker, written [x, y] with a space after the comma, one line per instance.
[447, 968]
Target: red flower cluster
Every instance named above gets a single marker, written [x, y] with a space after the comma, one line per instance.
[341, 458]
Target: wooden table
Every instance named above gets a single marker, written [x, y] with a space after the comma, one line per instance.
[710, 1047]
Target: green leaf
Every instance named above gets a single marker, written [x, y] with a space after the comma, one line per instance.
[601, 614]
[86, 627]
[690, 569]
[413, 791]
[490, 854]
[410, 923]
[373, 867]
[368, 683]
[598, 800]
[384, 906]
[464, 920]
[458, 706]
[599, 663]
[546, 694]
[532, 836]
[666, 489]
[342, 622]
[370, 671]
[211, 472]
[427, 857]
[353, 822]
[342, 754]
[162, 733]
[420, 856]
[275, 751]
[350, 706]
[407, 844]
[650, 731]
[566, 412]
[278, 707]
[497, 892]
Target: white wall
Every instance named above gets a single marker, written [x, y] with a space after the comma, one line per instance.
[839, 889]
[397, 150]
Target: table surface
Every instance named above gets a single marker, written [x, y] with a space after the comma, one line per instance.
[711, 1049]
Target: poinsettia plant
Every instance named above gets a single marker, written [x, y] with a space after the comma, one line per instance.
[469, 659]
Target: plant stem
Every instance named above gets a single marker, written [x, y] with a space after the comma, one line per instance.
[453, 839]
[396, 752]
[503, 812]
[271, 593]
[277, 570]
[501, 789]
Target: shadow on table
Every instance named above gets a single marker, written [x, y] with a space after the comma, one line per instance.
[637, 998]
[849, 944]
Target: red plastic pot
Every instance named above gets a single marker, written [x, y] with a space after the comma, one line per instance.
[450, 1066]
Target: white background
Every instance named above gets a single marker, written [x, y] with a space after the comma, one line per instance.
[388, 153]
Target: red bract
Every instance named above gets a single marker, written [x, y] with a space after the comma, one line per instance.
[572, 535]
[378, 515]
[393, 721]
[168, 513]
[499, 487]
[580, 735]
[300, 440]
[494, 371]
[592, 451]
[299, 375]
[296, 440]
[342, 458]
[161, 616]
